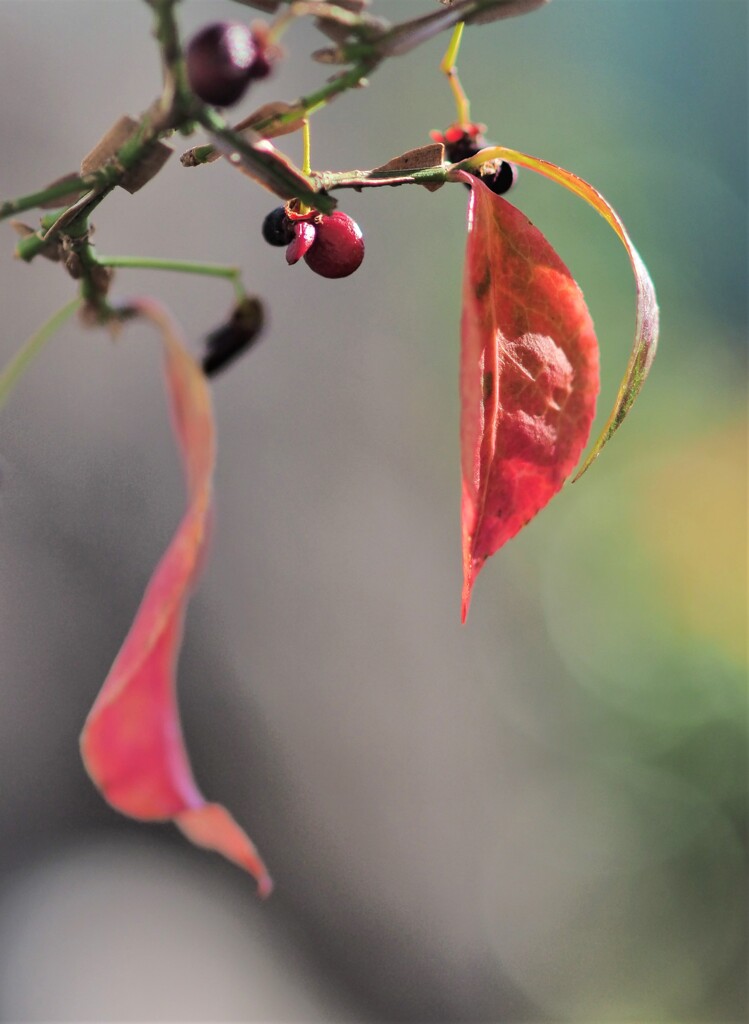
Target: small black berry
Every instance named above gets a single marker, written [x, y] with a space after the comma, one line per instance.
[501, 179]
[219, 59]
[277, 228]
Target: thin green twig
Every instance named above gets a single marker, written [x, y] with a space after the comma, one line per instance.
[45, 195]
[232, 274]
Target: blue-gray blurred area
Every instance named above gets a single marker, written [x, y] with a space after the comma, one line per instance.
[539, 816]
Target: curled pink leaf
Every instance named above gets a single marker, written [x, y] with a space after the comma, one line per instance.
[132, 743]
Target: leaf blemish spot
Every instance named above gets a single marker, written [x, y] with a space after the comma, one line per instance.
[482, 286]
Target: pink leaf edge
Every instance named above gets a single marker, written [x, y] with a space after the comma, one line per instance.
[132, 743]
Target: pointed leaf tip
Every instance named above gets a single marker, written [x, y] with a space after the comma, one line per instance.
[132, 743]
[212, 827]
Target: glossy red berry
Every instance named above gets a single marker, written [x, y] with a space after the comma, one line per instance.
[219, 61]
[338, 247]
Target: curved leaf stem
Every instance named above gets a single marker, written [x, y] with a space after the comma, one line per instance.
[232, 274]
[31, 348]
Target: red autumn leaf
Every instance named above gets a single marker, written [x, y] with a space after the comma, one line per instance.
[132, 742]
[647, 314]
[528, 376]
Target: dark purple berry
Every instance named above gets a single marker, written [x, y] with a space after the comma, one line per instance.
[338, 248]
[232, 338]
[277, 228]
[219, 59]
[261, 66]
[501, 179]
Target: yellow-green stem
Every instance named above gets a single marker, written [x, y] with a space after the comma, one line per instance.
[306, 157]
[277, 28]
[462, 104]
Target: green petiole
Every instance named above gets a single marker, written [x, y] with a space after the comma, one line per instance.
[31, 348]
[232, 274]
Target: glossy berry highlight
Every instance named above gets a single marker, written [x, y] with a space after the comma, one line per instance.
[338, 246]
[219, 61]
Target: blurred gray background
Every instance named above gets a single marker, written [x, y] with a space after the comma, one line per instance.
[540, 816]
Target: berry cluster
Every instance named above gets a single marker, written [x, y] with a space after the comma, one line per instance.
[222, 59]
[332, 246]
[464, 141]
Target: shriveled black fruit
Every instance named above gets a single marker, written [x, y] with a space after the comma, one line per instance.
[277, 228]
[234, 337]
[219, 59]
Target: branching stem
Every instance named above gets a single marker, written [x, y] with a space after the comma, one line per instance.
[304, 107]
[369, 43]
